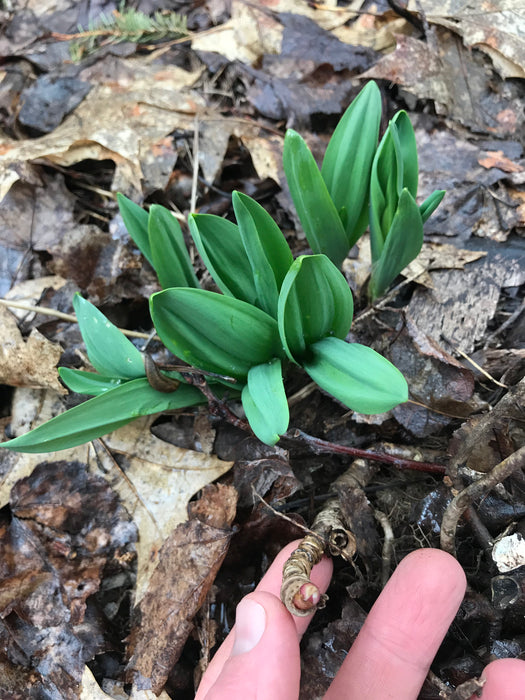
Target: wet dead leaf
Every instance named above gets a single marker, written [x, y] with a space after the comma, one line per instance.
[435, 379]
[453, 77]
[497, 28]
[27, 363]
[188, 563]
[462, 302]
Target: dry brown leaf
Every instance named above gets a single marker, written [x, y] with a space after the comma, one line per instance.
[248, 35]
[439, 256]
[120, 121]
[155, 482]
[27, 363]
[496, 159]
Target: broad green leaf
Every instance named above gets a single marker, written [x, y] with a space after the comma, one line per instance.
[168, 251]
[403, 244]
[87, 382]
[268, 252]
[136, 221]
[356, 375]
[407, 152]
[431, 203]
[222, 250]
[213, 332]
[101, 415]
[108, 349]
[264, 402]
[384, 193]
[318, 214]
[348, 160]
[315, 302]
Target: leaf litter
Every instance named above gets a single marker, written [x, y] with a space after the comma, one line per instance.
[105, 543]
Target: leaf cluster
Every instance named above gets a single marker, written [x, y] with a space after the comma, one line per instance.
[362, 184]
[271, 311]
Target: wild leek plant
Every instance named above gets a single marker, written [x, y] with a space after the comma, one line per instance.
[360, 184]
[272, 312]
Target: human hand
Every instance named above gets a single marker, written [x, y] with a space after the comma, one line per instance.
[390, 658]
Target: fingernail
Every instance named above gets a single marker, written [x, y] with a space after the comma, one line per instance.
[250, 623]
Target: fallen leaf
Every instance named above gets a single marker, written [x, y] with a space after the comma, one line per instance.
[435, 379]
[497, 28]
[27, 363]
[462, 302]
[496, 159]
[188, 563]
[155, 481]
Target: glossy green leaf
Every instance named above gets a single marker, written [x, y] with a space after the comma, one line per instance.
[431, 203]
[136, 222]
[407, 152]
[108, 349]
[222, 250]
[213, 332]
[264, 402]
[348, 160]
[268, 252]
[168, 250]
[356, 375]
[315, 302]
[318, 214]
[89, 383]
[101, 415]
[403, 244]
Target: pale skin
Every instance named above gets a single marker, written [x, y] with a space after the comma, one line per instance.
[389, 660]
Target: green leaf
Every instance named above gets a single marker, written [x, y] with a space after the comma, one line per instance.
[356, 375]
[403, 244]
[213, 332]
[431, 203]
[103, 414]
[348, 160]
[318, 214]
[268, 252]
[136, 222]
[222, 250]
[315, 302]
[168, 251]
[87, 382]
[383, 191]
[407, 152]
[264, 402]
[108, 349]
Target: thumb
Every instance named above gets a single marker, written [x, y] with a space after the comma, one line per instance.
[264, 662]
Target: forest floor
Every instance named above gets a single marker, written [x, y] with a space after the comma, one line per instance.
[121, 561]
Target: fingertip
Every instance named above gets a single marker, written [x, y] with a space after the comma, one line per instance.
[505, 680]
[434, 569]
[264, 662]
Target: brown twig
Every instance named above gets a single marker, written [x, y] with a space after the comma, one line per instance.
[468, 495]
[318, 446]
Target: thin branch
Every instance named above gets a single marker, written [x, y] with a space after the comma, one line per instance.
[71, 318]
[319, 446]
[468, 495]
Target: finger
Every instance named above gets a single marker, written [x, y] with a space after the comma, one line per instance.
[270, 583]
[505, 680]
[264, 661]
[401, 635]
